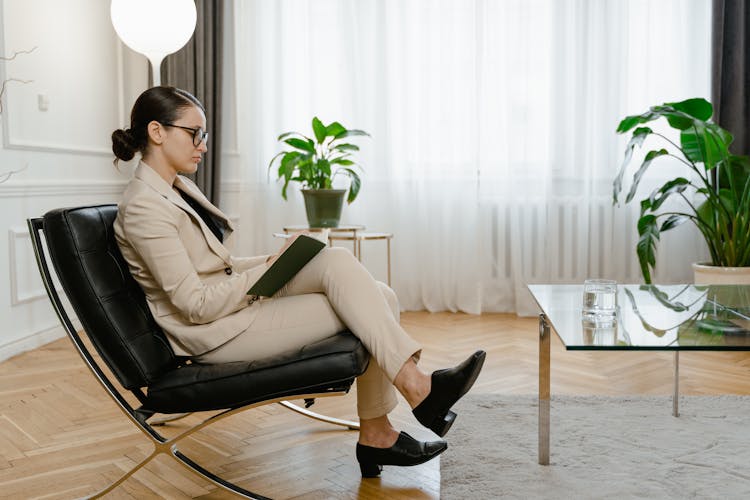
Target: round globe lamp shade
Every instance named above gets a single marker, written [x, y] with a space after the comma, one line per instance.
[154, 28]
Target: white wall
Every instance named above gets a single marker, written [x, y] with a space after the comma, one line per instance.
[90, 80]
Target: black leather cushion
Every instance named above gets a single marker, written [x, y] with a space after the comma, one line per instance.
[112, 308]
[107, 300]
[328, 365]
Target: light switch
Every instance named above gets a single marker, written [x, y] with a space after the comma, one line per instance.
[43, 102]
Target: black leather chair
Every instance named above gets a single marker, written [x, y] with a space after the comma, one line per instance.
[115, 317]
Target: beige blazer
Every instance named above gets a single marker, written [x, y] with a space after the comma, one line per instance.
[196, 289]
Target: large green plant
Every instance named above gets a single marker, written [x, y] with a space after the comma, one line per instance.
[315, 162]
[716, 196]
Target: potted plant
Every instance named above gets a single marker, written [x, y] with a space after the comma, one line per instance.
[314, 162]
[715, 194]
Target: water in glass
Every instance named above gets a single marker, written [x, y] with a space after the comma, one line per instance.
[599, 299]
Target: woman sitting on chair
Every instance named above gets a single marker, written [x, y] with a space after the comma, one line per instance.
[177, 245]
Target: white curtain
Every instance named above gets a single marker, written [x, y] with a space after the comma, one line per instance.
[493, 147]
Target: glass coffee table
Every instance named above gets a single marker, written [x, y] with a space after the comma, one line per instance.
[649, 317]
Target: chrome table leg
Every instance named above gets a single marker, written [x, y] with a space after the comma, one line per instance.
[676, 395]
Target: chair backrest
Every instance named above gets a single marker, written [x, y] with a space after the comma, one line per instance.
[109, 303]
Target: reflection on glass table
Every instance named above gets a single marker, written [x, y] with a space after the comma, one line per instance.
[653, 317]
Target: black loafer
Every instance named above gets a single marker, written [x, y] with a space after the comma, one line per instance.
[405, 451]
[448, 386]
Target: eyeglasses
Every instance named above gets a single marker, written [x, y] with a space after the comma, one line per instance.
[199, 135]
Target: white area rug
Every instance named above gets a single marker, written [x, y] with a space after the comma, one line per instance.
[600, 447]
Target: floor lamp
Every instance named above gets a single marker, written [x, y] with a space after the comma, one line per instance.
[154, 28]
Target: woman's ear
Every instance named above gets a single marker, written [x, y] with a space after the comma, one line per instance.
[155, 132]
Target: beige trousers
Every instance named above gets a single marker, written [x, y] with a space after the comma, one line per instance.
[332, 292]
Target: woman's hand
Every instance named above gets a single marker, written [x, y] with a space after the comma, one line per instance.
[287, 244]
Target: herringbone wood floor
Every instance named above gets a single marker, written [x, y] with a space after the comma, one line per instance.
[61, 436]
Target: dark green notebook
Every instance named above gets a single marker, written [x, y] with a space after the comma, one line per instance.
[286, 266]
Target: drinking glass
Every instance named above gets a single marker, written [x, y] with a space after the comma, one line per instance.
[599, 332]
[600, 300]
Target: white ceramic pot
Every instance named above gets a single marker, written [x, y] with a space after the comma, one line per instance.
[705, 274]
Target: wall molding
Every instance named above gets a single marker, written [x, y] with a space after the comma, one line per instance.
[18, 297]
[16, 189]
[33, 341]
[9, 143]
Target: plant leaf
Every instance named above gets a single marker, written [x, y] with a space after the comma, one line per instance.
[691, 146]
[346, 147]
[339, 154]
[334, 129]
[648, 231]
[676, 119]
[270, 163]
[631, 121]
[696, 107]
[287, 166]
[324, 166]
[283, 190]
[639, 135]
[342, 161]
[645, 205]
[650, 156]
[734, 174]
[673, 221]
[288, 163]
[659, 196]
[723, 136]
[349, 133]
[727, 197]
[706, 143]
[307, 171]
[289, 134]
[307, 145]
[705, 211]
[354, 186]
[319, 130]
[679, 115]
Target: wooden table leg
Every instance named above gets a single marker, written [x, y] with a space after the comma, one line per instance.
[544, 389]
[388, 245]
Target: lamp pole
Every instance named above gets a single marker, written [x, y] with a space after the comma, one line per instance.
[156, 69]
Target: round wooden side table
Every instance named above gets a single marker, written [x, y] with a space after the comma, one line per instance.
[350, 232]
[359, 237]
[346, 232]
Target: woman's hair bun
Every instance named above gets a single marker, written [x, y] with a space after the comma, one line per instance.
[160, 104]
[124, 146]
